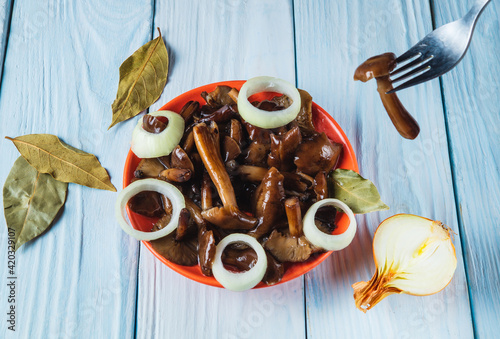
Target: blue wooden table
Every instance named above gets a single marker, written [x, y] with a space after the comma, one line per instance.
[86, 278]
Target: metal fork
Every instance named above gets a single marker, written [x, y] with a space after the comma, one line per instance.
[439, 51]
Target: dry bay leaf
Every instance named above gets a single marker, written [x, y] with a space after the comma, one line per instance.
[31, 201]
[48, 154]
[142, 79]
[358, 193]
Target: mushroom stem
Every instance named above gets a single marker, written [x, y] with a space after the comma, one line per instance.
[183, 225]
[210, 155]
[230, 218]
[252, 173]
[206, 250]
[406, 125]
[176, 174]
[294, 216]
[206, 192]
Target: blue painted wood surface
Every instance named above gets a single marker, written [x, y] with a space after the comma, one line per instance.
[472, 107]
[86, 279]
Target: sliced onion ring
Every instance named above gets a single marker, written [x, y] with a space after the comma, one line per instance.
[168, 190]
[262, 118]
[154, 145]
[330, 242]
[243, 280]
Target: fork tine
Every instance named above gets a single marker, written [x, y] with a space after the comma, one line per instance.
[422, 68]
[409, 54]
[415, 81]
[409, 65]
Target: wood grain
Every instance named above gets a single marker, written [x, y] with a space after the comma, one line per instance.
[209, 42]
[332, 39]
[61, 73]
[473, 118]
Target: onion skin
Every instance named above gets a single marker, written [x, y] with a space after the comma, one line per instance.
[410, 265]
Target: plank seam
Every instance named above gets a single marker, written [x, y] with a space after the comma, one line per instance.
[4, 48]
[153, 7]
[304, 291]
[454, 181]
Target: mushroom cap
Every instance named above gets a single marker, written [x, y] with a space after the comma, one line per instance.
[149, 168]
[218, 97]
[275, 270]
[374, 67]
[183, 253]
[284, 247]
[304, 118]
[242, 259]
[316, 154]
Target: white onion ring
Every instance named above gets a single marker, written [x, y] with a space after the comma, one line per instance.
[168, 190]
[262, 118]
[154, 145]
[243, 280]
[330, 242]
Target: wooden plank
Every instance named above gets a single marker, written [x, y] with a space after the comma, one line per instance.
[472, 113]
[209, 42]
[332, 39]
[60, 77]
[5, 8]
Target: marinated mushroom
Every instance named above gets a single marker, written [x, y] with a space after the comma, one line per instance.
[206, 250]
[154, 124]
[320, 186]
[147, 203]
[182, 228]
[239, 259]
[222, 114]
[176, 174]
[183, 253]
[283, 149]
[189, 109]
[294, 216]
[149, 168]
[317, 154]
[230, 149]
[275, 270]
[179, 159]
[255, 154]
[285, 248]
[264, 179]
[236, 132]
[379, 67]
[228, 216]
[218, 97]
[304, 119]
[268, 202]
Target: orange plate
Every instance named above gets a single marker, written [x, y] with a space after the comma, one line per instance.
[323, 122]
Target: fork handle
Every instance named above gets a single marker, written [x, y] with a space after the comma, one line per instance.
[406, 125]
[475, 11]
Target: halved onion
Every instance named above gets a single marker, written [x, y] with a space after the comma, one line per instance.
[243, 280]
[262, 118]
[168, 190]
[330, 242]
[154, 145]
